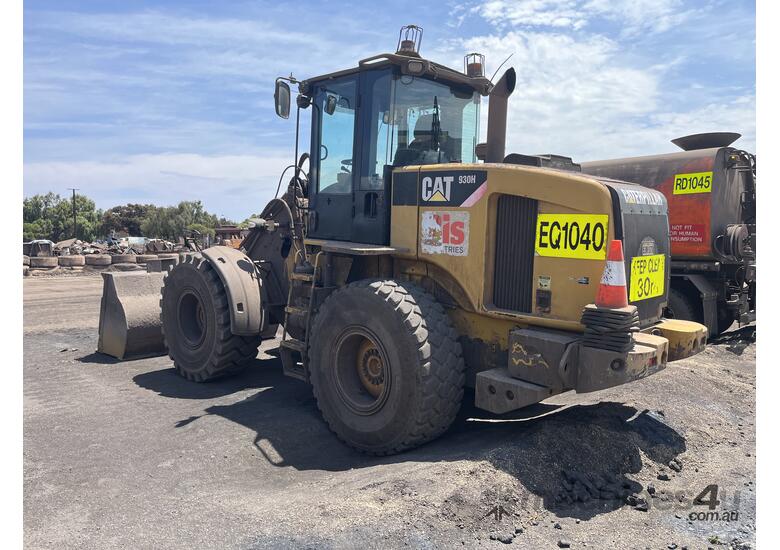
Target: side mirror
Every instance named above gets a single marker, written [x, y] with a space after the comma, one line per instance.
[330, 104]
[282, 99]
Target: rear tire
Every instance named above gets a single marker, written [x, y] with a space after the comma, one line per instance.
[681, 306]
[385, 365]
[725, 319]
[684, 306]
[196, 323]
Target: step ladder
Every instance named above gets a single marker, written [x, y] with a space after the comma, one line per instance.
[293, 352]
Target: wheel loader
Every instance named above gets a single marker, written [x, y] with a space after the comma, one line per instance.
[404, 261]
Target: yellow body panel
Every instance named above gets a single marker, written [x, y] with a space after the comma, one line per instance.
[573, 281]
[443, 236]
[404, 230]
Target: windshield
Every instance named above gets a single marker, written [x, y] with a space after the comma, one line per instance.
[431, 123]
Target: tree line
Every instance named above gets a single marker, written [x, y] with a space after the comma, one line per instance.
[50, 216]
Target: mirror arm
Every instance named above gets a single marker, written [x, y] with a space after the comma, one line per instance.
[291, 79]
[297, 130]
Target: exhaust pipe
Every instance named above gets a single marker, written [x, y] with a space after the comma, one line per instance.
[497, 107]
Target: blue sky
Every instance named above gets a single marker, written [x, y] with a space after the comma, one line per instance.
[166, 101]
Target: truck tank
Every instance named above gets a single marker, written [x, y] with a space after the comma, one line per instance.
[711, 190]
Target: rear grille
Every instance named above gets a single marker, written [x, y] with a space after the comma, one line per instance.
[514, 268]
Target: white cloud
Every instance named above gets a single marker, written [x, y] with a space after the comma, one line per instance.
[247, 49]
[230, 185]
[530, 13]
[589, 95]
[578, 97]
[738, 115]
[569, 91]
[634, 16]
[164, 82]
[639, 16]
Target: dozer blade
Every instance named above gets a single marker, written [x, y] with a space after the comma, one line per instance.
[130, 324]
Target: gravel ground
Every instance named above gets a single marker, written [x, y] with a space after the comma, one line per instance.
[128, 454]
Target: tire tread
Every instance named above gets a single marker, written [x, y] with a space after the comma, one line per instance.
[231, 352]
[443, 369]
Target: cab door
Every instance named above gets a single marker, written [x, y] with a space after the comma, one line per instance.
[333, 158]
[371, 223]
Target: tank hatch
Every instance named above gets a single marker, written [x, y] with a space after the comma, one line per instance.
[706, 141]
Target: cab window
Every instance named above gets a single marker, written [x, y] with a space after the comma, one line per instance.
[433, 123]
[336, 103]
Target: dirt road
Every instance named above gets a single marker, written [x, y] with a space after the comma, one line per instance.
[120, 455]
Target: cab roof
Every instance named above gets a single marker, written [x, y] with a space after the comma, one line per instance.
[409, 65]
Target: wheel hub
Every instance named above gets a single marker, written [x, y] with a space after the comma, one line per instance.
[362, 373]
[191, 318]
[370, 367]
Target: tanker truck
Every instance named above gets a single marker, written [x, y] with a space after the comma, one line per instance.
[711, 191]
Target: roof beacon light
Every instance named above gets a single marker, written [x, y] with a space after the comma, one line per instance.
[474, 65]
[409, 40]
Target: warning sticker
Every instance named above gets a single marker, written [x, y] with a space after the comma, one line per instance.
[687, 232]
[647, 277]
[696, 182]
[445, 232]
[581, 236]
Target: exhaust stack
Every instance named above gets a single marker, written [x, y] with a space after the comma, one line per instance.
[497, 108]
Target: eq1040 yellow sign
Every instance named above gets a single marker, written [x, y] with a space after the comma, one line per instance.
[696, 182]
[582, 236]
[647, 277]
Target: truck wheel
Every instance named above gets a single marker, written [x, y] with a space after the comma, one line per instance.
[196, 323]
[385, 365]
[681, 306]
[725, 319]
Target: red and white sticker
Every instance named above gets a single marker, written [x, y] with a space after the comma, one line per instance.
[687, 232]
[445, 232]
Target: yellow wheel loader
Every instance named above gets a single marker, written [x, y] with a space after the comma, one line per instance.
[399, 268]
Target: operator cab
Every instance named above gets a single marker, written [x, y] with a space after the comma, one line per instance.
[392, 110]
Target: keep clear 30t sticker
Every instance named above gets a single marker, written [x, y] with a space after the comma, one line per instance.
[445, 232]
[648, 274]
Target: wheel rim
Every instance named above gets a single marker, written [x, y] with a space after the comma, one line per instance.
[361, 371]
[191, 318]
[370, 367]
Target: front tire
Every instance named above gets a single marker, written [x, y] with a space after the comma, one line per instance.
[196, 323]
[385, 365]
